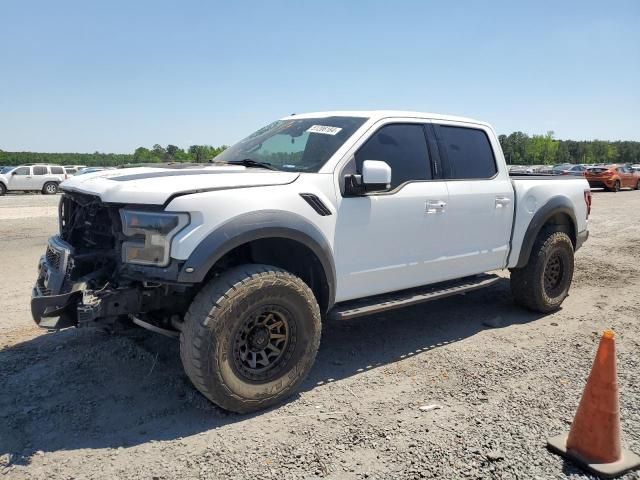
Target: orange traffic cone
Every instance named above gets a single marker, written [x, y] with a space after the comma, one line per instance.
[594, 439]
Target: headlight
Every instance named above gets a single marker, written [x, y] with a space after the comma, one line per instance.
[151, 234]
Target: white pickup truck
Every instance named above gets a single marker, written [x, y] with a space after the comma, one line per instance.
[324, 215]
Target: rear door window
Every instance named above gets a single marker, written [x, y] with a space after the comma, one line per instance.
[39, 170]
[467, 153]
[403, 146]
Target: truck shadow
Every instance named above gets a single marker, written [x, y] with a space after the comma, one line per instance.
[383, 339]
[73, 389]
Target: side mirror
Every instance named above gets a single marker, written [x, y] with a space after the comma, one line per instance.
[376, 175]
[13, 173]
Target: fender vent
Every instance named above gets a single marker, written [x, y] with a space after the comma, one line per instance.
[316, 204]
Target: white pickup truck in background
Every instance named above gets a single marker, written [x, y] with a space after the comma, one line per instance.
[323, 215]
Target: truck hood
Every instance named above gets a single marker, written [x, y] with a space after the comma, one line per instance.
[154, 186]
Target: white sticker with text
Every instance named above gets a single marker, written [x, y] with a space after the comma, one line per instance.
[326, 130]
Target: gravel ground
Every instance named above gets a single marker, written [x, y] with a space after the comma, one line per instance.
[77, 404]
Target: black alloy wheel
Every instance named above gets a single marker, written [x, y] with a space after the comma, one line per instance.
[264, 342]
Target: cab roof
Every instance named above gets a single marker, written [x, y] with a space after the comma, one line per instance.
[380, 114]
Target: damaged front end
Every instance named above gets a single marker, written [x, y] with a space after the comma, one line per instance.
[97, 273]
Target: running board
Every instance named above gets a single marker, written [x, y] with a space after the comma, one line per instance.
[405, 298]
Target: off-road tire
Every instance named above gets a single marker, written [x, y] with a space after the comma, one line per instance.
[50, 188]
[528, 284]
[3, 189]
[218, 314]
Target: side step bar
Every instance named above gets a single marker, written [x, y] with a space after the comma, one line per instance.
[405, 298]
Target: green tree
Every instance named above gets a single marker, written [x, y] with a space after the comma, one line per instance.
[562, 153]
[541, 149]
[172, 151]
[198, 153]
[518, 141]
[142, 155]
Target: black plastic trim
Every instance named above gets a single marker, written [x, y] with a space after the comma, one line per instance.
[581, 237]
[513, 223]
[390, 192]
[54, 311]
[412, 296]
[554, 206]
[317, 204]
[375, 187]
[254, 226]
[434, 152]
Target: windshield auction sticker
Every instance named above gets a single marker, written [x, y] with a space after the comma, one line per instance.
[324, 129]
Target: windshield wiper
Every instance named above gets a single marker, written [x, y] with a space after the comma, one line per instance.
[250, 163]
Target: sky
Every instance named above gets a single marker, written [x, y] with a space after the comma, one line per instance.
[110, 76]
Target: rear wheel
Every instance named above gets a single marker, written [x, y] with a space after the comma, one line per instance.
[616, 186]
[3, 189]
[250, 337]
[50, 188]
[543, 284]
[638, 185]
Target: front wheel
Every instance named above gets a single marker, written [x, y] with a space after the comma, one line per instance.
[616, 186]
[250, 337]
[543, 283]
[50, 188]
[637, 185]
[3, 189]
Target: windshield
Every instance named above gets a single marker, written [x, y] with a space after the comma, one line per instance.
[296, 145]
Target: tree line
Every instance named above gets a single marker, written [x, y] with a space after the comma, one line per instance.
[519, 149]
[155, 154]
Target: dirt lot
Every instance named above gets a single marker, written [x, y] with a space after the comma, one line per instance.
[84, 405]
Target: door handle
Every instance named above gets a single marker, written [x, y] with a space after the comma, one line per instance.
[435, 206]
[502, 202]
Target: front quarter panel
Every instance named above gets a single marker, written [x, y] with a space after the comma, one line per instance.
[210, 210]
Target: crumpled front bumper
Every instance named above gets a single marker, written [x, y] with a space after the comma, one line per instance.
[51, 310]
[57, 301]
[54, 311]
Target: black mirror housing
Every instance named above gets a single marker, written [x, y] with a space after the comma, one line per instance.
[353, 185]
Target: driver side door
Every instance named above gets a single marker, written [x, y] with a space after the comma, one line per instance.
[392, 240]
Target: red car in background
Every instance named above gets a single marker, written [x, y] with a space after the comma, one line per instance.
[613, 177]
